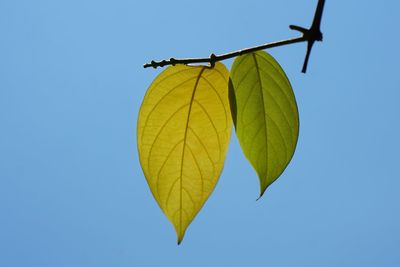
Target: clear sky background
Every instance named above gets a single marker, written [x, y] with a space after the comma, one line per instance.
[72, 192]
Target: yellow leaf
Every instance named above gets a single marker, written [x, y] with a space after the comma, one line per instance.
[183, 132]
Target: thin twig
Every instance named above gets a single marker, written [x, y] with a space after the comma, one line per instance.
[308, 35]
[214, 58]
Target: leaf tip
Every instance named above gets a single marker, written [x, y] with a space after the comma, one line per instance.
[179, 241]
[261, 195]
[262, 191]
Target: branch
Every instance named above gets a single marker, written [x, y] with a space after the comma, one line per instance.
[308, 35]
[214, 58]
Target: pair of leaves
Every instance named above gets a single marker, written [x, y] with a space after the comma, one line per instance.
[185, 124]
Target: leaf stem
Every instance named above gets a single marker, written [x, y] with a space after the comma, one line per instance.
[308, 35]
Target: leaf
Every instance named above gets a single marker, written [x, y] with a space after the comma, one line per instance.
[265, 114]
[184, 128]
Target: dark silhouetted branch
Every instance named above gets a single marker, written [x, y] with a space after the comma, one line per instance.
[310, 36]
[313, 34]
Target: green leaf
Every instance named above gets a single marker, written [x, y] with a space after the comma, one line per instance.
[184, 128]
[265, 114]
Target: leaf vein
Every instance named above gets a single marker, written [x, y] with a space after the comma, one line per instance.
[160, 100]
[162, 166]
[220, 100]
[159, 132]
[199, 169]
[204, 147]
[213, 125]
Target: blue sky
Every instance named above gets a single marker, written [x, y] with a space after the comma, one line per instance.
[72, 192]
